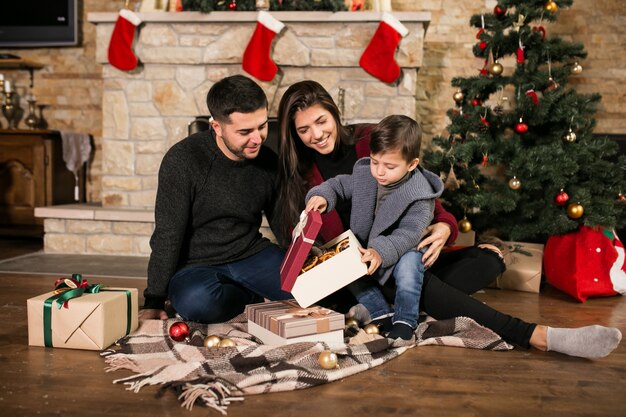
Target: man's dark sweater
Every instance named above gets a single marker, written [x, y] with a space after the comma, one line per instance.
[208, 210]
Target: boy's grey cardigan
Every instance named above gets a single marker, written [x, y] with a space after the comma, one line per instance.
[402, 217]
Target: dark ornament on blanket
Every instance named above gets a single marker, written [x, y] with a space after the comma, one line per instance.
[328, 360]
[352, 322]
[371, 329]
[179, 331]
[227, 343]
[212, 341]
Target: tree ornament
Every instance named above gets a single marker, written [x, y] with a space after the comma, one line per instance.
[570, 136]
[499, 11]
[532, 94]
[451, 183]
[484, 71]
[521, 127]
[552, 85]
[561, 198]
[482, 45]
[575, 211]
[551, 6]
[496, 68]
[520, 54]
[480, 32]
[519, 23]
[515, 184]
[226, 342]
[212, 341]
[328, 360]
[485, 160]
[371, 329]
[476, 102]
[458, 96]
[351, 322]
[465, 225]
[621, 197]
[540, 30]
[577, 68]
[179, 331]
[232, 5]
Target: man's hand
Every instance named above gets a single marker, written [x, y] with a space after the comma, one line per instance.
[436, 236]
[373, 257]
[152, 314]
[317, 203]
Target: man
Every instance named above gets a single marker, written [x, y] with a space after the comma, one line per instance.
[208, 256]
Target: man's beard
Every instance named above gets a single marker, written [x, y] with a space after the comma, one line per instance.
[239, 152]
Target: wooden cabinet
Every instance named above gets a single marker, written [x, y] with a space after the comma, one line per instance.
[32, 174]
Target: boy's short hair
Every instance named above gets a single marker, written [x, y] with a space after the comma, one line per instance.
[232, 94]
[397, 132]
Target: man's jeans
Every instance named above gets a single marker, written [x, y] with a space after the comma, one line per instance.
[217, 293]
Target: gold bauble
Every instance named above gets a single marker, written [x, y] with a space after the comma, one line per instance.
[577, 68]
[496, 68]
[371, 329]
[570, 136]
[575, 211]
[458, 96]
[551, 6]
[212, 341]
[328, 360]
[352, 322]
[515, 184]
[464, 225]
[227, 343]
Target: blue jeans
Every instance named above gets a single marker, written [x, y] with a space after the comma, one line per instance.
[217, 293]
[408, 274]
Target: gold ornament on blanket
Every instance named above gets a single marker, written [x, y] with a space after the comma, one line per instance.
[371, 329]
[352, 322]
[226, 342]
[212, 341]
[328, 360]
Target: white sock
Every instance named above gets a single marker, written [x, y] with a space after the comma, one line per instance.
[587, 342]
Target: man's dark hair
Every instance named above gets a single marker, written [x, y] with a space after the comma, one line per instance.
[397, 132]
[232, 94]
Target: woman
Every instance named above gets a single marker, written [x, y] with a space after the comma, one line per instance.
[314, 146]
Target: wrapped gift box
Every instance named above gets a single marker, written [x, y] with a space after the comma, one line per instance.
[283, 322]
[91, 321]
[523, 267]
[328, 276]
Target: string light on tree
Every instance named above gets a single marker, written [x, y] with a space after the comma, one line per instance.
[561, 198]
[575, 211]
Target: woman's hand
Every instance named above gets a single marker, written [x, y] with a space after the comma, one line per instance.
[436, 236]
[317, 203]
[152, 314]
[373, 257]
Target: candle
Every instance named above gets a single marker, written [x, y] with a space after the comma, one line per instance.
[7, 86]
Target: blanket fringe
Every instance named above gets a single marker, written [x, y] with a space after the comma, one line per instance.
[215, 395]
[118, 362]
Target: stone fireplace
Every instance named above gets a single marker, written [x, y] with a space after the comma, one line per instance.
[182, 55]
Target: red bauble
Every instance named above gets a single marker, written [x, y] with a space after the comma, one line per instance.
[482, 45]
[521, 127]
[179, 331]
[499, 11]
[541, 30]
[476, 102]
[561, 198]
[232, 5]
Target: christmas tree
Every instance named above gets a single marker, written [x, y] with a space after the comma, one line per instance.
[520, 157]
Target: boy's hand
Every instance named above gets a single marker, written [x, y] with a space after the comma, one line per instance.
[317, 203]
[373, 257]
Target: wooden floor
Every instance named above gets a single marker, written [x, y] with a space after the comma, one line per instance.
[426, 381]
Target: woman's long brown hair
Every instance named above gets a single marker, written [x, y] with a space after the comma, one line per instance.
[294, 158]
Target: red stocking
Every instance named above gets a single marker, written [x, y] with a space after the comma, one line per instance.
[121, 54]
[256, 58]
[378, 58]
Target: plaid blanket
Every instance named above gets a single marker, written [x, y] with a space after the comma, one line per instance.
[216, 377]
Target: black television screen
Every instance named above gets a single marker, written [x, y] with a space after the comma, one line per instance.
[37, 23]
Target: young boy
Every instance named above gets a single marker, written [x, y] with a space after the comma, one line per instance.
[392, 204]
